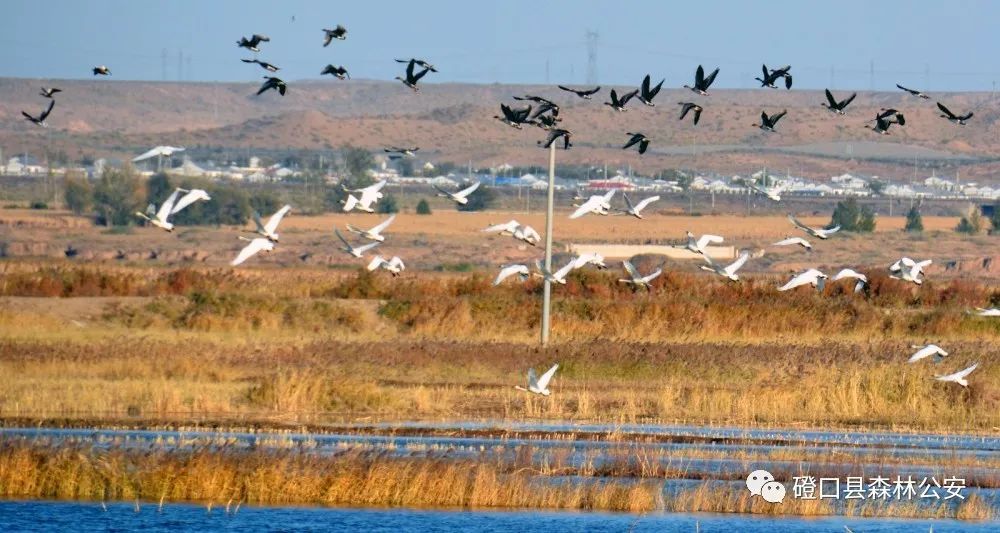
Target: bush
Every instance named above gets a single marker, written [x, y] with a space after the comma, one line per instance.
[117, 196]
[970, 224]
[423, 208]
[851, 217]
[914, 222]
[387, 204]
[79, 195]
[995, 219]
[38, 204]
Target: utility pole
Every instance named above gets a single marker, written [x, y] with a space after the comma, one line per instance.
[547, 292]
[592, 40]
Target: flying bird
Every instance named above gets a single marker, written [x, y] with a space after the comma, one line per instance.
[340, 72]
[810, 277]
[598, 204]
[514, 229]
[539, 385]
[192, 196]
[836, 106]
[102, 71]
[586, 94]
[49, 93]
[906, 269]
[618, 104]
[928, 351]
[637, 138]
[263, 64]
[702, 83]
[767, 123]
[637, 280]
[700, 245]
[273, 83]
[819, 233]
[513, 117]
[647, 93]
[253, 42]
[914, 92]
[957, 119]
[728, 272]
[507, 271]
[554, 135]
[375, 233]
[772, 193]
[690, 106]
[794, 241]
[393, 266]
[339, 33]
[589, 258]
[367, 197]
[558, 276]
[847, 273]
[959, 377]
[407, 152]
[40, 119]
[420, 62]
[771, 76]
[461, 197]
[886, 118]
[159, 217]
[991, 312]
[412, 78]
[270, 230]
[636, 210]
[356, 251]
[255, 245]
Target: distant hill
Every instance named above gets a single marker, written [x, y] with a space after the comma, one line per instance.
[453, 122]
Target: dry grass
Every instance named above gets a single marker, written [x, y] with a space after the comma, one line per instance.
[356, 477]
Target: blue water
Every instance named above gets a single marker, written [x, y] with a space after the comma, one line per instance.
[73, 516]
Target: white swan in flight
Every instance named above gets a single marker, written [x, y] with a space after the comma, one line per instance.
[792, 241]
[255, 245]
[461, 197]
[637, 280]
[728, 272]
[991, 312]
[374, 234]
[191, 197]
[558, 277]
[959, 377]
[810, 277]
[539, 385]
[394, 266]
[510, 270]
[160, 216]
[907, 269]
[773, 193]
[819, 233]
[517, 230]
[927, 351]
[356, 251]
[847, 273]
[589, 258]
[599, 204]
[367, 196]
[700, 246]
[636, 210]
[270, 230]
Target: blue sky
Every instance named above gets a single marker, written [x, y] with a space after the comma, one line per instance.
[930, 45]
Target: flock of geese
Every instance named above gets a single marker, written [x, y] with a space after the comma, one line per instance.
[545, 114]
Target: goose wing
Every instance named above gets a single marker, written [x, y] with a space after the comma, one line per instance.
[586, 207]
[705, 240]
[776, 118]
[45, 114]
[831, 100]
[168, 205]
[847, 101]
[738, 264]
[644, 202]
[509, 226]
[958, 375]
[544, 379]
[250, 250]
[710, 79]
[630, 269]
[946, 111]
[375, 263]
[628, 96]
[849, 273]
[799, 224]
[191, 197]
[382, 225]
[468, 190]
[272, 223]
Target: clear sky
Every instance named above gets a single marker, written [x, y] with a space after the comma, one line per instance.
[932, 45]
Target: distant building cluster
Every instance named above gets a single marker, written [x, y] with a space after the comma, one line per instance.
[164, 157]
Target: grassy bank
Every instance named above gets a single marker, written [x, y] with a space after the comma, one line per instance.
[364, 478]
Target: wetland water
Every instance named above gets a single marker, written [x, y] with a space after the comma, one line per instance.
[75, 516]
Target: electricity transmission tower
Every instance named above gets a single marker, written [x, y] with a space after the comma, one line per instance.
[592, 39]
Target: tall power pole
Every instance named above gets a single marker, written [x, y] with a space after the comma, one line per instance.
[163, 64]
[592, 39]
